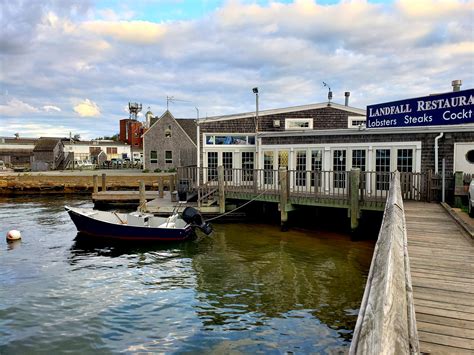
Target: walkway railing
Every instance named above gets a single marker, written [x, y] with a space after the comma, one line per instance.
[386, 323]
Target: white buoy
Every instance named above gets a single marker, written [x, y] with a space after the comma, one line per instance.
[13, 235]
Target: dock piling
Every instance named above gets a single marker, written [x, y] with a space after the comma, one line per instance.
[142, 196]
[284, 193]
[95, 180]
[221, 186]
[354, 198]
[161, 186]
[104, 186]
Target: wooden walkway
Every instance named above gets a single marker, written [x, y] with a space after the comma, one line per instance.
[442, 269]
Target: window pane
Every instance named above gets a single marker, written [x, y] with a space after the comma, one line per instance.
[268, 167]
[382, 168]
[168, 157]
[405, 160]
[153, 156]
[316, 166]
[358, 159]
[227, 163]
[212, 165]
[301, 168]
[339, 166]
[247, 166]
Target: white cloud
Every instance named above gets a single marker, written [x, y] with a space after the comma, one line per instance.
[16, 107]
[49, 108]
[87, 108]
[144, 32]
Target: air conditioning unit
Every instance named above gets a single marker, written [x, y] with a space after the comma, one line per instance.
[276, 123]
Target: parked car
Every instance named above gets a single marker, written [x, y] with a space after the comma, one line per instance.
[470, 198]
[116, 162]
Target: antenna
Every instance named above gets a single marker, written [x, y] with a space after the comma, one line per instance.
[172, 99]
[329, 93]
[134, 108]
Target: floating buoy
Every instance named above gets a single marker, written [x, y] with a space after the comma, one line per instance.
[13, 235]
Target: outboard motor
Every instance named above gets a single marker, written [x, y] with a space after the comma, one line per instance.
[192, 216]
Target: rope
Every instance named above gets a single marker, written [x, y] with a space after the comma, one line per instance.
[238, 208]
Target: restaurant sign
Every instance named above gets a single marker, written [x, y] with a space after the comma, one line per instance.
[443, 109]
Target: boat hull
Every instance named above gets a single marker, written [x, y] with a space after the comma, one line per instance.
[99, 229]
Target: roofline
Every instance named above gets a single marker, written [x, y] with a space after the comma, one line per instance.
[283, 110]
[377, 131]
[174, 118]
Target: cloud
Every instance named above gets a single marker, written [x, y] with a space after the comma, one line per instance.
[87, 108]
[49, 108]
[16, 107]
[55, 52]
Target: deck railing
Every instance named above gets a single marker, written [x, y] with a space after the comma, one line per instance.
[386, 323]
[373, 185]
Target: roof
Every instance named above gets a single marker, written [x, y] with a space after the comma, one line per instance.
[12, 140]
[46, 144]
[188, 125]
[284, 110]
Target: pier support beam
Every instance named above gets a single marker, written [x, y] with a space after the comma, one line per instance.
[104, 186]
[95, 180]
[161, 187]
[284, 193]
[141, 206]
[221, 186]
[354, 198]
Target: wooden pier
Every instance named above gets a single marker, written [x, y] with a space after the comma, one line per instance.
[442, 269]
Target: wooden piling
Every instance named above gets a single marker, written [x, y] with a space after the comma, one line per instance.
[221, 186]
[161, 186]
[95, 180]
[354, 198]
[458, 188]
[284, 193]
[104, 186]
[142, 204]
[172, 183]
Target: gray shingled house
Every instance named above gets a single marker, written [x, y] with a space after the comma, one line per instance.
[169, 143]
[48, 154]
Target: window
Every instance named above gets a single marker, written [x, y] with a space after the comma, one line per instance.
[230, 140]
[299, 123]
[356, 121]
[339, 166]
[301, 168]
[227, 163]
[268, 167]
[316, 167]
[153, 156]
[212, 165]
[111, 150]
[358, 159]
[382, 168]
[168, 157]
[470, 156]
[405, 160]
[168, 132]
[247, 166]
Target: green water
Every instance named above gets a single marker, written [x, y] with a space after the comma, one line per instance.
[248, 288]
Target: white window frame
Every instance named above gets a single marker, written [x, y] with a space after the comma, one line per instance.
[351, 120]
[289, 121]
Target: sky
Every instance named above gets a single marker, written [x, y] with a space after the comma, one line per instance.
[72, 66]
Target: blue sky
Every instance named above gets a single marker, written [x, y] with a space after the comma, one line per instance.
[73, 65]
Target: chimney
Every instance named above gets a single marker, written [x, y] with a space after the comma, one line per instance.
[456, 85]
[346, 95]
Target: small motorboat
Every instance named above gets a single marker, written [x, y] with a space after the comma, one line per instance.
[138, 226]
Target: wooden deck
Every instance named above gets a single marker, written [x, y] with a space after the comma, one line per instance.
[442, 269]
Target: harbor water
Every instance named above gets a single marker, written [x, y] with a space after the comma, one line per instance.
[248, 288]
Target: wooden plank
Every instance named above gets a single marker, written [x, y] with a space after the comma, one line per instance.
[445, 321]
[446, 305]
[430, 348]
[441, 339]
[442, 296]
[445, 313]
[446, 330]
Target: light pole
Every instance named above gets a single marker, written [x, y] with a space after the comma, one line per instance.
[257, 157]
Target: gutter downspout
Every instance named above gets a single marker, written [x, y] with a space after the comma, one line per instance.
[436, 151]
[198, 162]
